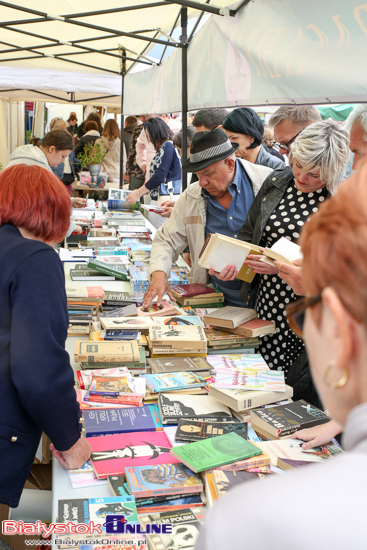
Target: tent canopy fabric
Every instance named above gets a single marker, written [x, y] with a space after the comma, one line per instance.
[272, 52]
[336, 112]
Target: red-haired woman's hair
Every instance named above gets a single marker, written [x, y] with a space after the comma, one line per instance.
[34, 198]
[334, 245]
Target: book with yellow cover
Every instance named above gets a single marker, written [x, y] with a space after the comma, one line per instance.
[102, 352]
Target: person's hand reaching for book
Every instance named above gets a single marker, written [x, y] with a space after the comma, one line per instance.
[168, 207]
[229, 273]
[79, 202]
[74, 457]
[292, 275]
[158, 286]
[318, 435]
[253, 261]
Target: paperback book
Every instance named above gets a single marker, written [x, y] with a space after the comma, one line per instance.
[185, 528]
[174, 406]
[179, 364]
[284, 420]
[162, 479]
[193, 430]
[214, 452]
[230, 316]
[117, 385]
[113, 421]
[111, 454]
[176, 337]
[107, 351]
[244, 400]
[223, 481]
[172, 381]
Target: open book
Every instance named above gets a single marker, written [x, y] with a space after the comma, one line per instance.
[219, 251]
[284, 251]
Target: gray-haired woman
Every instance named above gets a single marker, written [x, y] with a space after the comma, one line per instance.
[287, 198]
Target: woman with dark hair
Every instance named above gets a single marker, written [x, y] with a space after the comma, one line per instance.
[91, 135]
[49, 152]
[165, 169]
[243, 126]
[37, 382]
[111, 143]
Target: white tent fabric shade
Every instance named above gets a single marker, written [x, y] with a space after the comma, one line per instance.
[272, 52]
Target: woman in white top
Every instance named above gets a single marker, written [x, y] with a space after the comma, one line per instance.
[323, 505]
[111, 145]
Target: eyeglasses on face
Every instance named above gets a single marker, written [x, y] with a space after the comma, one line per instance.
[296, 313]
[286, 146]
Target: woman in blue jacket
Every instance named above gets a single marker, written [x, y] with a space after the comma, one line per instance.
[165, 169]
[36, 380]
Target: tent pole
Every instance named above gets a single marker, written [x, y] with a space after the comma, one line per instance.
[183, 40]
[123, 72]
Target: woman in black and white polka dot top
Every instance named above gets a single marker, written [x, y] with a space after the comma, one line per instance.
[287, 198]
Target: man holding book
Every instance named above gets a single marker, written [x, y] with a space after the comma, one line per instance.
[217, 203]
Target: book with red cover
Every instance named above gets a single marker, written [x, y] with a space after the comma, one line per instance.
[111, 454]
[132, 400]
[188, 291]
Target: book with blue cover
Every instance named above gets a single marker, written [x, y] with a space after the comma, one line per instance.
[162, 479]
[115, 421]
[101, 508]
[173, 381]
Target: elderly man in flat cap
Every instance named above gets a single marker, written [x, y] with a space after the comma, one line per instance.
[217, 203]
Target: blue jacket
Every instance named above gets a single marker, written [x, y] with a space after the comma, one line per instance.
[36, 380]
[165, 167]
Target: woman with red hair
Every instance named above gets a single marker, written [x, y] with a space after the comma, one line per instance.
[323, 505]
[37, 382]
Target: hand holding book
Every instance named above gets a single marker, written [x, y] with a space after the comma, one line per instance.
[259, 266]
[229, 273]
[292, 275]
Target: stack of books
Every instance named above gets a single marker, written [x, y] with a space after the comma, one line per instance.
[177, 340]
[111, 354]
[82, 302]
[197, 295]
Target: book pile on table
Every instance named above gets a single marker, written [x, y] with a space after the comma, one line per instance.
[81, 302]
[177, 340]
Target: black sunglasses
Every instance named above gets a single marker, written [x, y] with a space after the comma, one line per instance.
[286, 146]
[296, 313]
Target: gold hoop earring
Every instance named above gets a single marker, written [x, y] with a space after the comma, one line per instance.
[335, 385]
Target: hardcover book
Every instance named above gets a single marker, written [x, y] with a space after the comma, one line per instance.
[176, 337]
[284, 420]
[119, 271]
[113, 421]
[107, 351]
[255, 327]
[162, 479]
[174, 406]
[89, 275]
[111, 454]
[219, 251]
[230, 317]
[190, 290]
[194, 430]
[171, 381]
[214, 452]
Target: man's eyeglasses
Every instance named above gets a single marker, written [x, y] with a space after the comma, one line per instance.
[296, 313]
[286, 146]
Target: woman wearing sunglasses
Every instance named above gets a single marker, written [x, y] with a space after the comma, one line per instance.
[321, 506]
[287, 198]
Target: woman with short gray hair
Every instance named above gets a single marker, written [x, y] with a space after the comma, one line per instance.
[286, 199]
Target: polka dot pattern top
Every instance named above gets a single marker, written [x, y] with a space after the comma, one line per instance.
[282, 348]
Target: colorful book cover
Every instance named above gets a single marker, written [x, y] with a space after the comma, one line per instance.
[157, 311]
[112, 421]
[100, 508]
[174, 406]
[117, 385]
[156, 415]
[238, 362]
[171, 381]
[162, 479]
[193, 430]
[130, 400]
[248, 379]
[85, 377]
[134, 323]
[211, 453]
[111, 454]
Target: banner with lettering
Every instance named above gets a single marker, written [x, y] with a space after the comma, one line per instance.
[272, 52]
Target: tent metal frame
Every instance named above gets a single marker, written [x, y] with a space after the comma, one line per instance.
[113, 33]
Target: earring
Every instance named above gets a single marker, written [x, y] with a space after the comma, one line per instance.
[335, 385]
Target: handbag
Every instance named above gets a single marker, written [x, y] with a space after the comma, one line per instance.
[67, 179]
